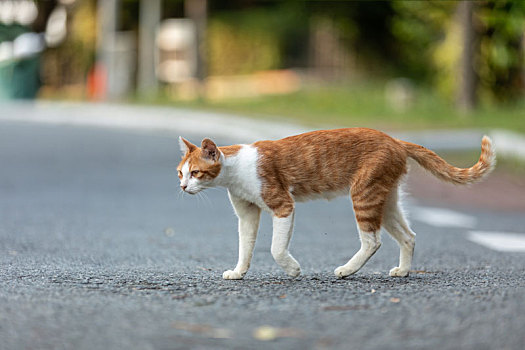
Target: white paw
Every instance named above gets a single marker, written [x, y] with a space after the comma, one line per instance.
[398, 272]
[293, 271]
[343, 271]
[232, 275]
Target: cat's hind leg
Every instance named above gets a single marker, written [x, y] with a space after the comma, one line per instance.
[368, 201]
[395, 223]
[249, 215]
[370, 243]
[282, 233]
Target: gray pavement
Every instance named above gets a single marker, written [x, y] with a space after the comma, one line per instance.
[98, 250]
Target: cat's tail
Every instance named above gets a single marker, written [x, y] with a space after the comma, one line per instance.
[446, 172]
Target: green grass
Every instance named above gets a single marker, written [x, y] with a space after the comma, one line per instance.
[364, 105]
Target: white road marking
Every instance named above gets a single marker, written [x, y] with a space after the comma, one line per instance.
[509, 143]
[500, 241]
[440, 217]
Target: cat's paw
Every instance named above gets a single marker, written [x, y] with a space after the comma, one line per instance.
[232, 275]
[398, 272]
[294, 271]
[343, 271]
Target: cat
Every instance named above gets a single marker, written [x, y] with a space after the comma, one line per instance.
[272, 176]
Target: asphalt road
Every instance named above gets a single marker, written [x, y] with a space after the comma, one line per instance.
[99, 250]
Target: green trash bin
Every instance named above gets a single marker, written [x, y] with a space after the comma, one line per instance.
[20, 78]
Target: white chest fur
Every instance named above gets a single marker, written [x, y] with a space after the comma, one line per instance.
[239, 175]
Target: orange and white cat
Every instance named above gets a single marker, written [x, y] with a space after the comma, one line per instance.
[366, 164]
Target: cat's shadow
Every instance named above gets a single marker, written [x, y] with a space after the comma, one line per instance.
[323, 279]
[202, 283]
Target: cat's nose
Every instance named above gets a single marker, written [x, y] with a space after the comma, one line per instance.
[183, 187]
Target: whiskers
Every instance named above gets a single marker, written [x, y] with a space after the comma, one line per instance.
[201, 196]
[204, 197]
[211, 188]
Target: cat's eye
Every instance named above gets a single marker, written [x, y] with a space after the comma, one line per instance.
[194, 173]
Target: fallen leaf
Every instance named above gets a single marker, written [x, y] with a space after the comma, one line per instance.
[282, 296]
[290, 333]
[179, 296]
[395, 300]
[269, 333]
[265, 333]
[204, 329]
[345, 307]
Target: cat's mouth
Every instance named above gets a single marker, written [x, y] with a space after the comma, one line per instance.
[192, 191]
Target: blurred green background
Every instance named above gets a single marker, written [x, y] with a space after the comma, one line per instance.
[386, 64]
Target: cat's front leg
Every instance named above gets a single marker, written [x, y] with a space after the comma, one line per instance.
[282, 233]
[249, 215]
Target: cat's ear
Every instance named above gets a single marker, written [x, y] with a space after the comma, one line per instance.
[210, 150]
[186, 146]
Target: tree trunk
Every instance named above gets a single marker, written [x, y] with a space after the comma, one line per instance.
[149, 19]
[197, 11]
[468, 81]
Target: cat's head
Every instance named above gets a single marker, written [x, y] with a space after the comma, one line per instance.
[199, 165]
